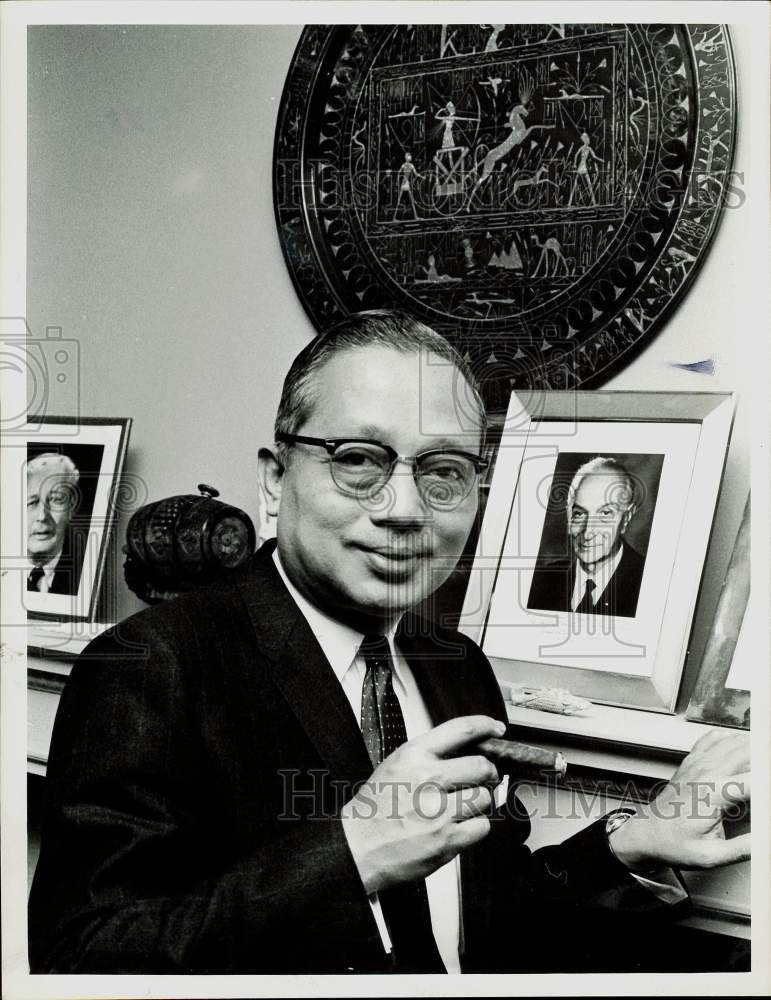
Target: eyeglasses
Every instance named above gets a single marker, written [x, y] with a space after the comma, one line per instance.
[62, 498]
[361, 468]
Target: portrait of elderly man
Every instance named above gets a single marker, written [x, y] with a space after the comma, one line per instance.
[281, 772]
[52, 494]
[603, 573]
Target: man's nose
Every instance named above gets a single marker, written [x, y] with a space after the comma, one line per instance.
[41, 512]
[400, 500]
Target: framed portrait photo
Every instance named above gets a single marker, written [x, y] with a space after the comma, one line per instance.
[593, 541]
[71, 476]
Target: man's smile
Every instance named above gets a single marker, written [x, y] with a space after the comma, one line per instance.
[394, 556]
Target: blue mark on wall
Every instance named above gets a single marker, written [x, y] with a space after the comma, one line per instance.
[706, 367]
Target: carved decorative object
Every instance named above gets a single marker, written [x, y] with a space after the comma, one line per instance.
[179, 543]
[542, 194]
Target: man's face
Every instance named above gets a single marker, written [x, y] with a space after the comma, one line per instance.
[374, 560]
[599, 517]
[49, 508]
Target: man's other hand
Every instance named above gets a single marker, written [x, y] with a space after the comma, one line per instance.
[423, 804]
[683, 826]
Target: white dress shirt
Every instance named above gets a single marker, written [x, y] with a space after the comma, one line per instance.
[600, 578]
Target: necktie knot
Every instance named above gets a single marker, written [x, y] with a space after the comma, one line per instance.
[36, 574]
[376, 652]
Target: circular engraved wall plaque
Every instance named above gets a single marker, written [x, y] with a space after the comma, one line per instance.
[541, 194]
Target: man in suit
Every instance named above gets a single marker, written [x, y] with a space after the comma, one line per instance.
[280, 773]
[52, 494]
[604, 575]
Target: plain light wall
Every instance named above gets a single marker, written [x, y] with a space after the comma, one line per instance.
[152, 243]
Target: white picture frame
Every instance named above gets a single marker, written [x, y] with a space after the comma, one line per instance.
[96, 448]
[674, 447]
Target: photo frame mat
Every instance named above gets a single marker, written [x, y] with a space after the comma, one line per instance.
[713, 412]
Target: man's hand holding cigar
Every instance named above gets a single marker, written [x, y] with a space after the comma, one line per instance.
[426, 802]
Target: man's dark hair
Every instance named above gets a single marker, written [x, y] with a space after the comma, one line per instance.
[391, 328]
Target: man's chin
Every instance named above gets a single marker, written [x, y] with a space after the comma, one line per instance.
[44, 554]
[593, 563]
[392, 599]
[384, 600]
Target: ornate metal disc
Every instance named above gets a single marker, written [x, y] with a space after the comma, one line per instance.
[542, 194]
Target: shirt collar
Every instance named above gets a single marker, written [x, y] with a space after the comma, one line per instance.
[47, 567]
[339, 642]
[601, 577]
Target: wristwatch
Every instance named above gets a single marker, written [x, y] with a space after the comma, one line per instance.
[616, 819]
[612, 822]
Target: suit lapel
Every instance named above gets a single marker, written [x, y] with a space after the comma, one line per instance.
[608, 603]
[302, 672]
[438, 675]
[571, 585]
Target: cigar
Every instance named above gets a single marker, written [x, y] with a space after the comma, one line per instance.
[514, 758]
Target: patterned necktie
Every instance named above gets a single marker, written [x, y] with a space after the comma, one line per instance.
[36, 574]
[586, 604]
[382, 725]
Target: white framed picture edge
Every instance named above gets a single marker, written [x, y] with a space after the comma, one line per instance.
[112, 435]
[714, 413]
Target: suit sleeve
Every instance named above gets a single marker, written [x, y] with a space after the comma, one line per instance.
[582, 873]
[132, 877]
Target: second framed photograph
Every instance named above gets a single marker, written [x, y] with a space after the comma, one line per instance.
[72, 472]
[594, 538]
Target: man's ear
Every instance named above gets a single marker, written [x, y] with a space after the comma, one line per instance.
[270, 472]
[629, 513]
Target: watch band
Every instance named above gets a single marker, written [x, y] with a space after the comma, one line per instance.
[616, 819]
[612, 822]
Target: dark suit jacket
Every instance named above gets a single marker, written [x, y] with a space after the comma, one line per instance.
[553, 581]
[172, 843]
[61, 582]
[66, 578]
[64, 581]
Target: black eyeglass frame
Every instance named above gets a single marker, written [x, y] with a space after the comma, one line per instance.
[332, 444]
